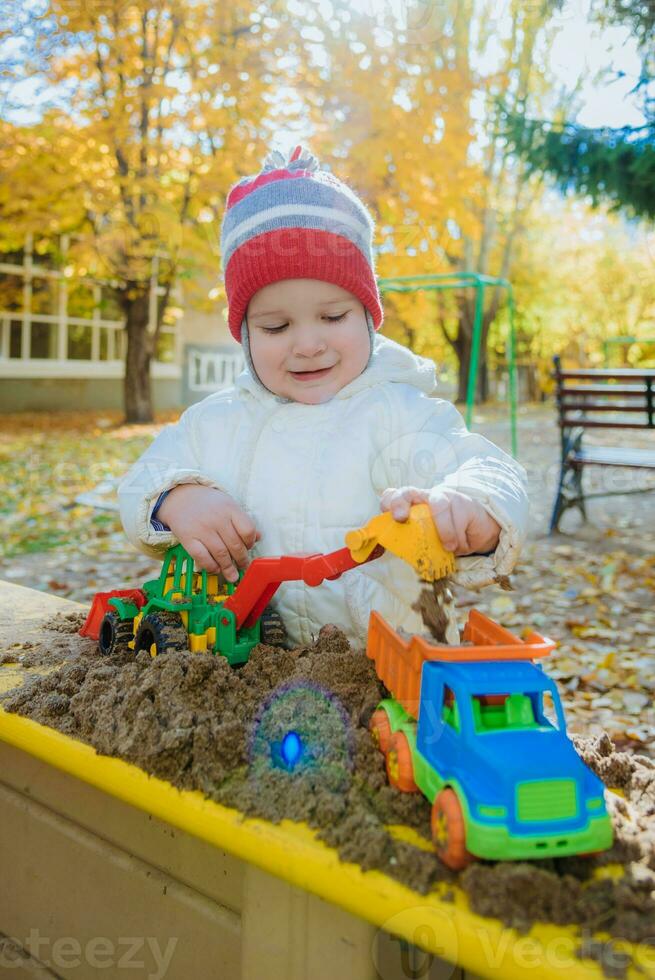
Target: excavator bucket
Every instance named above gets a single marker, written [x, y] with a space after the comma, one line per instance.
[100, 606]
[415, 540]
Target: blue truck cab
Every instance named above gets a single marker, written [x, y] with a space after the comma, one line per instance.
[494, 732]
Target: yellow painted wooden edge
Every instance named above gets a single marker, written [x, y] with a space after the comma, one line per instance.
[291, 851]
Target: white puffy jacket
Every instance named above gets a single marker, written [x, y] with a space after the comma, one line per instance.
[307, 474]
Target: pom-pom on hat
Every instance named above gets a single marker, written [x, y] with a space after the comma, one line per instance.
[295, 221]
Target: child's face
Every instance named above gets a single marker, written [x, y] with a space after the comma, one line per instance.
[308, 338]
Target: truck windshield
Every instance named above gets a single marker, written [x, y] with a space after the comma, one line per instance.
[513, 712]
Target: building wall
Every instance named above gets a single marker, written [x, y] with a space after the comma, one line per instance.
[56, 394]
[201, 356]
[206, 328]
[59, 353]
[210, 357]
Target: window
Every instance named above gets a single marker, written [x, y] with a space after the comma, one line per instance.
[449, 710]
[79, 342]
[109, 343]
[45, 296]
[499, 712]
[43, 341]
[45, 314]
[546, 710]
[110, 308]
[11, 292]
[81, 300]
[15, 338]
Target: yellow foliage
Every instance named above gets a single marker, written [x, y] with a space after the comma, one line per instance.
[396, 102]
[582, 277]
[159, 122]
[171, 101]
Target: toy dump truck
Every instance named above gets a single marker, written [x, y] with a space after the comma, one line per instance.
[184, 609]
[480, 731]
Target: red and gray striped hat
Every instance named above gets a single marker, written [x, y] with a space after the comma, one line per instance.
[296, 221]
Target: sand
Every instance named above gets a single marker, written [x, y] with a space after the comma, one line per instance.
[198, 723]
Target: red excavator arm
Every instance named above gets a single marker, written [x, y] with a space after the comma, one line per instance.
[264, 575]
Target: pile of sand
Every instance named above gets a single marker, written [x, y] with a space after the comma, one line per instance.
[198, 723]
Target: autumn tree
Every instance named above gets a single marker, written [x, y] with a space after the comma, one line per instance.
[407, 109]
[386, 101]
[607, 165]
[583, 277]
[156, 107]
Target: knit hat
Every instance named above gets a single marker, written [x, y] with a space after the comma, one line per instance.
[295, 221]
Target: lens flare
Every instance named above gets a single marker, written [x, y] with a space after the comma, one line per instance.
[291, 748]
[303, 730]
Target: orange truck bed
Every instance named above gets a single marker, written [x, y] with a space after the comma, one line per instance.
[398, 661]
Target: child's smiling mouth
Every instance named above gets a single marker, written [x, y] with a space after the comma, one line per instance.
[310, 375]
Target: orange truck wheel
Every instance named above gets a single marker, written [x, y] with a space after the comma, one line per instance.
[399, 764]
[380, 728]
[449, 831]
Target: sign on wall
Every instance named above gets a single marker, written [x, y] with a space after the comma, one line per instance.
[208, 368]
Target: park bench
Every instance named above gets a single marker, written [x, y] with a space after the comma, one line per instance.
[600, 399]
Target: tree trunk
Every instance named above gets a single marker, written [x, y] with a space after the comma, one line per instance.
[463, 348]
[463, 351]
[137, 389]
[483, 374]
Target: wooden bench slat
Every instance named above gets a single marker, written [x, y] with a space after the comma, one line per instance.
[605, 389]
[624, 374]
[614, 456]
[586, 423]
[601, 407]
[587, 399]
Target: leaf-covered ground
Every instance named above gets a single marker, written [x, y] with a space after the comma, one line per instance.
[47, 461]
[590, 587]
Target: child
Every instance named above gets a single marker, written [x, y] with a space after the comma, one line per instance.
[328, 424]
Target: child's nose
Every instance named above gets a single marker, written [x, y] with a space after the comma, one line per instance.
[309, 343]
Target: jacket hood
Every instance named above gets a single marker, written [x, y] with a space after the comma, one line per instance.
[390, 362]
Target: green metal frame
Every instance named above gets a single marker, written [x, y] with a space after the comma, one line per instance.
[466, 280]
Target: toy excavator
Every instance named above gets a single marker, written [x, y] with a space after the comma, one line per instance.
[184, 609]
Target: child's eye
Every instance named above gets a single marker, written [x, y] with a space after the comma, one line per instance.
[330, 319]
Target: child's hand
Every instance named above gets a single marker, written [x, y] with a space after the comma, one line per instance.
[464, 526]
[212, 527]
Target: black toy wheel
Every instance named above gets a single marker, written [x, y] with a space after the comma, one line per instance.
[161, 632]
[114, 634]
[272, 630]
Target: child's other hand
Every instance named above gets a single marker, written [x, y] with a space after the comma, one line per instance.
[464, 526]
[212, 527]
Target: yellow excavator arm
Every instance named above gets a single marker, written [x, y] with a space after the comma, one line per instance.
[415, 540]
